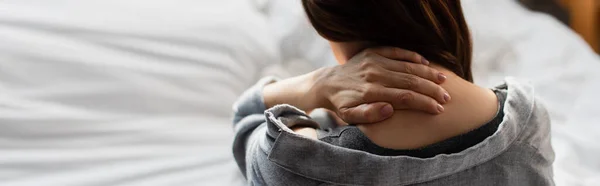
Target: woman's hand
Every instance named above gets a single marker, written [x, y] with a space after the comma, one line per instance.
[367, 89]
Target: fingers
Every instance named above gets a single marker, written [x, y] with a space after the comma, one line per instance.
[416, 84]
[406, 99]
[398, 54]
[406, 76]
[422, 71]
[367, 113]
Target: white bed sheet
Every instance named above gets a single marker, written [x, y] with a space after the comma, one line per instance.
[135, 92]
[509, 40]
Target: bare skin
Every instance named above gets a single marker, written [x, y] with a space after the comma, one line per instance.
[470, 108]
[366, 89]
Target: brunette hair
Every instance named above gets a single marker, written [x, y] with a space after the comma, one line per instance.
[436, 29]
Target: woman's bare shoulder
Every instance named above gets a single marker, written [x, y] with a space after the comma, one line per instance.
[412, 129]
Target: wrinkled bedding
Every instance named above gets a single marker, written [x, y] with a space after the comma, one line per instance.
[125, 92]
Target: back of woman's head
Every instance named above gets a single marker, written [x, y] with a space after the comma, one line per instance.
[435, 29]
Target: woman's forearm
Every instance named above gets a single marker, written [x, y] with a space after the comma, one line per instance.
[366, 89]
[297, 91]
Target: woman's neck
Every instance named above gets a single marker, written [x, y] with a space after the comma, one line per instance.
[471, 107]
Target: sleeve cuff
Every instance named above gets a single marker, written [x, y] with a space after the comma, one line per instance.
[252, 101]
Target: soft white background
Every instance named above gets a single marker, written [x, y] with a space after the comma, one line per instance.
[139, 92]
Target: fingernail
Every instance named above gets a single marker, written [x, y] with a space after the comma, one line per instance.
[446, 97]
[424, 61]
[440, 108]
[386, 110]
[442, 77]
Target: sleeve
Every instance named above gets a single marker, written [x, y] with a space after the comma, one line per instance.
[256, 128]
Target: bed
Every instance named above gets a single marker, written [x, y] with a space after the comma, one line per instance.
[139, 92]
[124, 92]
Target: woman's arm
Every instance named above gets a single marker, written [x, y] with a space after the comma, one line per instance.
[371, 81]
[367, 89]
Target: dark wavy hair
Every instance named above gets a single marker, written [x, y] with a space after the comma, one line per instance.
[435, 29]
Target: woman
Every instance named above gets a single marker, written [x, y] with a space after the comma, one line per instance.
[479, 136]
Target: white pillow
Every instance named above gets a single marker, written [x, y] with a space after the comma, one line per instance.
[125, 92]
